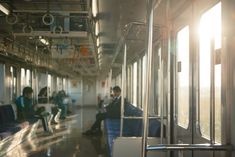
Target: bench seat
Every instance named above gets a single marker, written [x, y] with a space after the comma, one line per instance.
[13, 132]
[131, 127]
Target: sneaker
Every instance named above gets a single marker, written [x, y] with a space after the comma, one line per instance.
[97, 132]
[92, 133]
[88, 132]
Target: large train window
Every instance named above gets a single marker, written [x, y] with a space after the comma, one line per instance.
[210, 70]
[144, 60]
[129, 86]
[158, 84]
[134, 102]
[183, 77]
[140, 83]
[59, 84]
[28, 78]
[13, 83]
[65, 84]
[22, 78]
[49, 84]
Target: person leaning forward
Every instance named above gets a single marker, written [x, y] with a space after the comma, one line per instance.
[112, 111]
[25, 108]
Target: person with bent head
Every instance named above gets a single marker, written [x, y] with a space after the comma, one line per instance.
[25, 108]
[112, 111]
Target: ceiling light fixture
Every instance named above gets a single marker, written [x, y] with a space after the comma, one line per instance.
[44, 41]
[97, 42]
[99, 50]
[99, 57]
[4, 10]
[96, 28]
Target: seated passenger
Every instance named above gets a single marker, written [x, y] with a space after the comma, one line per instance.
[42, 96]
[62, 102]
[25, 108]
[24, 104]
[113, 111]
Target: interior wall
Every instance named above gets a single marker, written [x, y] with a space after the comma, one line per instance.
[75, 91]
[89, 91]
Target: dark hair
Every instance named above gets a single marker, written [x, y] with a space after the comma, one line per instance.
[43, 92]
[116, 89]
[27, 90]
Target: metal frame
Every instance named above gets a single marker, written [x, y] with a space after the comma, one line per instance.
[149, 53]
[123, 89]
[187, 147]
[122, 40]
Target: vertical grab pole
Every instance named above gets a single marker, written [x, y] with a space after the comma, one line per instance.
[149, 54]
[36, 85]
[212, 96]
[48, 88]
[123, 89]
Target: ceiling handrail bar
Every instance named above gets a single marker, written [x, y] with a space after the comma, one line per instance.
[122, 39]
[140, 117]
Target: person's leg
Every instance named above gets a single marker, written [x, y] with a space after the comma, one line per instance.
[44, 123]
[97, 123]
[44, 116]
[63, 110]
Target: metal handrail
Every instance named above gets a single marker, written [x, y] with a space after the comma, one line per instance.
[152, 117]
[122, 39]
[123, 89]
[164, 147]
[149, 54]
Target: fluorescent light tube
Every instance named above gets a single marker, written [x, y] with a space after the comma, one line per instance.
[4, 10]
[94, 8]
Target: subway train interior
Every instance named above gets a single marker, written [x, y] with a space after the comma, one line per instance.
[117, 78]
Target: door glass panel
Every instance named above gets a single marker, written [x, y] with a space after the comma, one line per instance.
[183, 77]
[210, 31]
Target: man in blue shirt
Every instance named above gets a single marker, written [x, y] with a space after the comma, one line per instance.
[25, 109]
[24, 103]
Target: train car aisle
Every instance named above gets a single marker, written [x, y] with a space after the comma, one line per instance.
[66, 140]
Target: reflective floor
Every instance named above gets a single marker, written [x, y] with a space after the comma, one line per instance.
[65, 141]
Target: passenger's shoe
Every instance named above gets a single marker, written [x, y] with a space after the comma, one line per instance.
[92, 133]
[88, 132]
[97, 133]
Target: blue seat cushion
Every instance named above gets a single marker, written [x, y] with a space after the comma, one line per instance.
[6, 114]
[112, 127]
[4, 135]
[131, 127]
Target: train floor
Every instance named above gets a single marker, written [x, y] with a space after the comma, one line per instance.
[66, 140]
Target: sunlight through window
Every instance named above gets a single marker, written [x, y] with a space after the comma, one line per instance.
[210, 31]
[183, 76]
[135, 84]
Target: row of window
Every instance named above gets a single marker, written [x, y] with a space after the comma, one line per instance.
[18, 79]
[136, 77]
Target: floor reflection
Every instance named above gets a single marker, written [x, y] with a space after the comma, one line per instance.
[65, 141]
